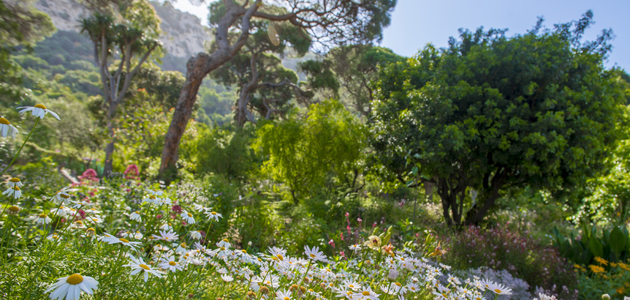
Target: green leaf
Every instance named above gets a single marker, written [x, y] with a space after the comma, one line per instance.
[596, 247]
[617, 241]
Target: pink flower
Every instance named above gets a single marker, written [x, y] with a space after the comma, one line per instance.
[347, 214]
[132, 171]
[341, 234]
[374, 225]
[89, 174]
[176, 208]
[359, 219]
[158, 216]
[82, 213]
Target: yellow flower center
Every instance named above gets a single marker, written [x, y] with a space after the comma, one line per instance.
[62, 195]
[365, 293]
[222, 248]
[287, 298]
[190, 215]
[42, 216]
[214, 212]
[14, 179]
[16, 188]
[144, 266]
[4, 121]
[398, 284]
[124, 240]
[351, 286]
[91, 229]
[313, 255]
[497, 291]
[14, 208]
[172, 263]
[183, 245]
[74, 279]
[280, 257]
[79, 222]
[244, 251]
[137, 212]
[40, 106]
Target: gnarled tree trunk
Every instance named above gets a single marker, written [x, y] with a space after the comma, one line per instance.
[196, 70]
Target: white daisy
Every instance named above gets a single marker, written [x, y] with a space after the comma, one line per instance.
[94, 219]
[314, 253]
[169, 263]
[213, 215]
[166, 236]
[277, 253]
[70, 287]
[167, 227]
[355, 247]
[181, 248]
[62, 197]
[7, 129]
[13, 210]
[188, 217]
[366, 294]
[223, 244]
[61, 211]
[195, 234]
[283, 295]
[13, 191]
[39, 110]
[138, 265]
[42, 219]
[110, 239]
[136, 216]
[14, 182]
[497, 288]
[227, 278]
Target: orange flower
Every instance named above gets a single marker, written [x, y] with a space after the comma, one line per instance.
[596, 269]
[601, 261]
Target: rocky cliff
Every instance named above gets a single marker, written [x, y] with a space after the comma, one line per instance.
[182, 33]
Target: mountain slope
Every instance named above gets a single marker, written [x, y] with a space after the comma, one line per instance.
[182, 33]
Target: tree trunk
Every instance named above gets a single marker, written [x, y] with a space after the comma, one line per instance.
[197, 68]
[242, 111]
[195, 72]
[109, 149]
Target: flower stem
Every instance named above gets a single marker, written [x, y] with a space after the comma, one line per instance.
[18, 153]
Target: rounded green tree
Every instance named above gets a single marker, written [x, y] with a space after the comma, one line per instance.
[491, 113]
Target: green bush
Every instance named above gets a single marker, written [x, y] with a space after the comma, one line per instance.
[613, 245]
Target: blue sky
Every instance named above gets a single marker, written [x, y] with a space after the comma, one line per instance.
[417, 22]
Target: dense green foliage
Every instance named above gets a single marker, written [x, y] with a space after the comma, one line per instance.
[490, 114]
[517, 135]
[304, 153]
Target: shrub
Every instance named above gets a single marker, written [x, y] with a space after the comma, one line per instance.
[525, 258]
[613, 245]
[604, 277]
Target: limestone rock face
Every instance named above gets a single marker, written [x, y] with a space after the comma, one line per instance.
[182, 33]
